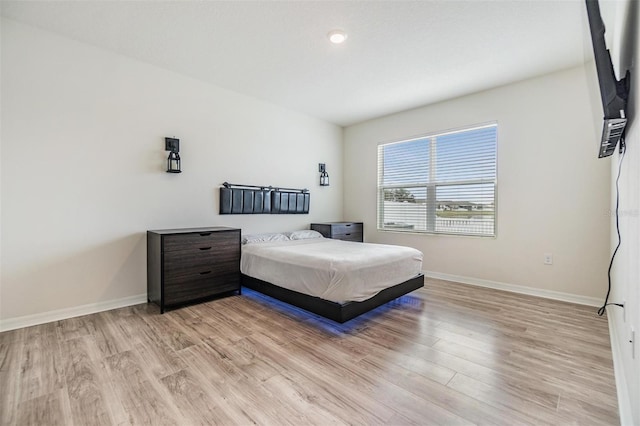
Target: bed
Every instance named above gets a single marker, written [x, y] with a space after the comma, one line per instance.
[336, 279]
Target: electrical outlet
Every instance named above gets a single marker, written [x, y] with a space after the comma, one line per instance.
[632, 340]
[548, 259]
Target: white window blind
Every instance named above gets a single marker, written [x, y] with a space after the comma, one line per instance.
[443, 183]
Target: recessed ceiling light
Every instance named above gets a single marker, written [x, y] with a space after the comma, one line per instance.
[337, 36]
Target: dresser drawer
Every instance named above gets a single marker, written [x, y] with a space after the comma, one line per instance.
[196, 257]
[199, 240]
[346, 228]
[179, 275]
[200, 286]
[355, 236]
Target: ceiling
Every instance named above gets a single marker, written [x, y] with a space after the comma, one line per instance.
[398, 55]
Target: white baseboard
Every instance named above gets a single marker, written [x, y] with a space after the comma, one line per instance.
[60, 314]
[76, 311]
[622, 389]
[531, 291]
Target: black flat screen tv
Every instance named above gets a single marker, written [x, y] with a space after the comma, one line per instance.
[614, 93]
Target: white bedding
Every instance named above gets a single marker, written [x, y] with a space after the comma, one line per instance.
[335, 270]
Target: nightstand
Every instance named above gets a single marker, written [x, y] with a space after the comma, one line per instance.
[189, 265]
[346, 231]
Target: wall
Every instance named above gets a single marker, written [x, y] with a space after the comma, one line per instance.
[553, 192]
[83, 169]
[626, 269]
[1, 174]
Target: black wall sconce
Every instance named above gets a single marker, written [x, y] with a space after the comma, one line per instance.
[173, 162]
[324, 176]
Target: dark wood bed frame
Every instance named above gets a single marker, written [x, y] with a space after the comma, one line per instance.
[338, 312]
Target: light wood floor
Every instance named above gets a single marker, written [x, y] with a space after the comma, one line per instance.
[445, 354]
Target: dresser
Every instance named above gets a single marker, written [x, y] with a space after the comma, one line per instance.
[347, 231]
[192, 264]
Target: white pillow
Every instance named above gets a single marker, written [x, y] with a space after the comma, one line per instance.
[264, 238]
[304, 234]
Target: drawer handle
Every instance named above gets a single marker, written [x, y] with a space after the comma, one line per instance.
[347, 234]
[205, 248]
[348, 225]
[205, 234]
[205, 272]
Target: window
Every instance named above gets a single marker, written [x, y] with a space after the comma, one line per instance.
[443, 183]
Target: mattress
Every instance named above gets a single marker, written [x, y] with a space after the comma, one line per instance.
[334, 270]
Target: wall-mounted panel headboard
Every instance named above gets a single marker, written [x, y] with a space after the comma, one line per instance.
[251, 199]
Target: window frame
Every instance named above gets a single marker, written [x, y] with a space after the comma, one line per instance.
[432, 185]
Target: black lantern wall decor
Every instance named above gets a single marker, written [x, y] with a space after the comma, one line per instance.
[324, 176]
[173, 162]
